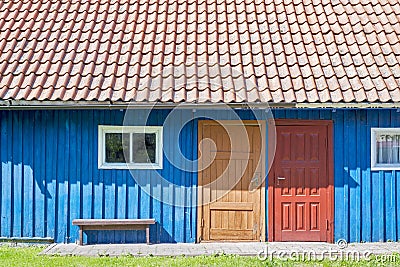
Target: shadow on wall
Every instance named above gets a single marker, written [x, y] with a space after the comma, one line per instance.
[127, 237]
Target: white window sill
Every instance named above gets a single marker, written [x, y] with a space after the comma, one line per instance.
[386, 168]
[144, 166]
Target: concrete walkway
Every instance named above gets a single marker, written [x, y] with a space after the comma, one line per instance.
[274, 249]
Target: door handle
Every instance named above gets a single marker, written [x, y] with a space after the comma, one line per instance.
[280, 179]
[255, 179]
[255, 182]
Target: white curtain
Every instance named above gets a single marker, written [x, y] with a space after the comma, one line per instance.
[388, 148]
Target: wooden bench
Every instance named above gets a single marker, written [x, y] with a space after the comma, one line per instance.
[113, 224]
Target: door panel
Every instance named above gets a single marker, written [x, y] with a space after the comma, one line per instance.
[300, 184]
[230, 171]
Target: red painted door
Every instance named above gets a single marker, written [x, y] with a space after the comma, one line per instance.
[301, 184]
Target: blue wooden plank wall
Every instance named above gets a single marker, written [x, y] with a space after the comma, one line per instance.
[49, 175]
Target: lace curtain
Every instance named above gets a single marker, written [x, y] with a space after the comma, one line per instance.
[388, 148]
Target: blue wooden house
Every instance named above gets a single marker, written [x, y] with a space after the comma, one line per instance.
[222, 120]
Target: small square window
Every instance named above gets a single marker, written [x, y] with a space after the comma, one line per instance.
[385, 148]
[130, 147]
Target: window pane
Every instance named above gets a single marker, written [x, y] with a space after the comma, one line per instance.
[116, 143]
[144, 147]
[388, 148]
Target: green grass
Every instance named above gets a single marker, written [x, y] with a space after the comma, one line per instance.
[28, 256]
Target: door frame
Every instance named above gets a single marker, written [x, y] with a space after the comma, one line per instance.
[262, 125]
[330, 172]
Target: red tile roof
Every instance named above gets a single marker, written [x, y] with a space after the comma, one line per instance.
[228, 51]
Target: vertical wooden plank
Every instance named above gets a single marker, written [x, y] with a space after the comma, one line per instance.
[7, 173]
[340, 214]
[156, 210]
[17, 177]
[349, 182]
[168, 192]
[178, 180]
[63, 153]
[365, 159]
[120, 203]
[39, 191]
[67, 172]
[144, 211]
[187, 182]
[97, 176]
[354, 176]
[6, 155]
[28, 214]
[50, 149]
[50, 168]
[87, 163]
[74, 174]
[133, 206]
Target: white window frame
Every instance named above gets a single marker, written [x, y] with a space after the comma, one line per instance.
[103, 129]
[379, 166]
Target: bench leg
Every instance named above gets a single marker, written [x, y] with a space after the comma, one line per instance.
[148, 235]
[80, 236]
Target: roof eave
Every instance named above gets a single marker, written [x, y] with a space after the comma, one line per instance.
[50, 104]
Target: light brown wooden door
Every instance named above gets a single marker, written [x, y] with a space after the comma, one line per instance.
[230, 181]
[300, 183]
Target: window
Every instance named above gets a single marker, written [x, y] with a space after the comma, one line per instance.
[130, 147]
[385, 148]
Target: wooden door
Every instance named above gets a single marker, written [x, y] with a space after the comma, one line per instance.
[301, 182]
[230, 181]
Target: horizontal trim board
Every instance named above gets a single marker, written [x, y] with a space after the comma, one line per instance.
[226, 235]
[43, 105]
[231, 206]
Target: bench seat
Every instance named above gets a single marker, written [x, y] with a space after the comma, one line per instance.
[113, 224]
